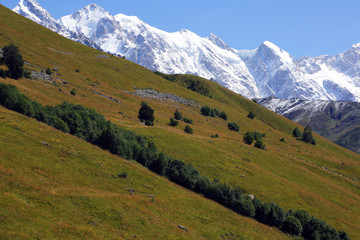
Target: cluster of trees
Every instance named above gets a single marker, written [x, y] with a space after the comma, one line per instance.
[178, 116]
[85, 123]
[14, 62]
[306, 136]
[250, 137]
[213, 112]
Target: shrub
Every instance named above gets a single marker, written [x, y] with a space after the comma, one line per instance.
[123, 175]
[77, 70]
[205, 110]
[48, 71]
[73, 92]
[223, 115]
[251, 115]
[27, 74]
[187, 120]
[296, 132]
[307, 135]
[173, 122]
[13, 60]
[249, 138]
[259, 144]
[188, 129]
[282, 140]
[146, 114]
[215, 112]
[233, 127]
[292, 226]
[215, 135]
[177, 115]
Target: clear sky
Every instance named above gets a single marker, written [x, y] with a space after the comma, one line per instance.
[301, 27]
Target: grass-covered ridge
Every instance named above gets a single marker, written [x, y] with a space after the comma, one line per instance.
[87, 124]
[302, 174]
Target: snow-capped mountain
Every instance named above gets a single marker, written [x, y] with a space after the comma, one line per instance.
[338, 121]
[262, 72]
[33, 11]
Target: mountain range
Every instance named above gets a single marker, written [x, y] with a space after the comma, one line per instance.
[265, 71]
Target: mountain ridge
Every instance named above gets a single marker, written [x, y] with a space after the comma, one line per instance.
[262, 72]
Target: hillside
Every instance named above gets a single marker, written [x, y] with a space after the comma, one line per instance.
[321, 179]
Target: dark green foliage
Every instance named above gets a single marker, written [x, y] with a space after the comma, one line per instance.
[13, 60]
[27, 74]
[123, 175]
[249, 138]
[48, 71]
[73, 92]
[188, 129]
[307, 135]
[233, 127]
[77, 70]
[251, 115]
[282, 140]
[173, 122]
[85, 123]
[187, 120]
[297, 133]
[2, 73]
[146, 114]
[205, 110]
[215, 112]
[259, 144]
[292, 226]
[223, 115]
[178, 116]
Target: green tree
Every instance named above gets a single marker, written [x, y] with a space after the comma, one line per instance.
[233, 127]
[205, 110]
[249, 138]
[48, 71]
[173, 122]
[146, 114]
[73, 92]
[177, 115]
[259, 144]
[13, 60]
[188, 129]
[307, 135]
[251, 115]
[296, 132]
[292, 226]
[223, 115]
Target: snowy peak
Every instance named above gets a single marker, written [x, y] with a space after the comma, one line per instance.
[218, 42]
[32, 10]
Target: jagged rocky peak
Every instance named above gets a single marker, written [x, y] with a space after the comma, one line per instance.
[219, 42]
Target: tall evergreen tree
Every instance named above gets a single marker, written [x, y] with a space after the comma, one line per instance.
[13, 60]
[146, 114]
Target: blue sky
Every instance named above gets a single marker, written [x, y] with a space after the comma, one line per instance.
[302, 27]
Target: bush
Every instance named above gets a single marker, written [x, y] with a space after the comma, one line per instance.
[178, 116]
[77, 70]
[13, 60]
[251, 115]
[296, 132]
[223, 115]
[146, 114]
[259, 144]
[27, 74]
[282, 140]
[123, 175]
[187, 120]
[292, 226]
[205, 110]
[215, 112]
[173, 122]
[233, 127]
[307, 135]
[48, 71]
[73, 92]
[188, 129]
[215, 135]
[249, 138]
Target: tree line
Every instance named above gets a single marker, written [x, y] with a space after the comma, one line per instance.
[87, 124]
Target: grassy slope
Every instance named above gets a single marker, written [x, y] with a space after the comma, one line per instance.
[279, 174]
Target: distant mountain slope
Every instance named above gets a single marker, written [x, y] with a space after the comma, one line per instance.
[335, 120]
[265, 71]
